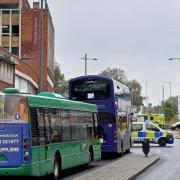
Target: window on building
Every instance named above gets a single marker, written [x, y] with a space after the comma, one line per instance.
[15, 12]
[5, 30]
[9, 6]
[7, 48]
[6, 12]
[15, 30]
[6, 72]
[15, 50]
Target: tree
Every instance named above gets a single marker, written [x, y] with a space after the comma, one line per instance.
[60, 84]
[170, 107]
[135, 89]
[115, 73]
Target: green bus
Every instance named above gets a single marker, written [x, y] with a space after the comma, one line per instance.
[43, 134]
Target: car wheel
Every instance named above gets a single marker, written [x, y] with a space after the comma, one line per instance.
[162, 142]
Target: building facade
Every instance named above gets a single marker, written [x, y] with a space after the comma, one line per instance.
[21, 35]
[7, 69]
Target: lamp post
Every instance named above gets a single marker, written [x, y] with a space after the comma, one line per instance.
[146, 96]
[41, 84]
[169, 82]
[85, 60]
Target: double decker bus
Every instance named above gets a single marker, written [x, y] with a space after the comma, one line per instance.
[113, 102]
[42, 134]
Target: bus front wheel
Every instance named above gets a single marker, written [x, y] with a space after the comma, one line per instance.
[56, 172]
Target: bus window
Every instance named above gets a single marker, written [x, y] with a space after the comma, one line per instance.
[89, 122]
[16, 108]
[123, 123]
[34, 126]
[55, 124]
[82, 123]
[97, 128]
[66, 126]
[41, 127]
[74, 124]
[47, 125]
[84, 90]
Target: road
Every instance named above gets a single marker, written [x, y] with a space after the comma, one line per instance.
[81, 170]
[167, 167]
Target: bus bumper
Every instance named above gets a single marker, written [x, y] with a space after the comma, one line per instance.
[108, 148]
[24, 170]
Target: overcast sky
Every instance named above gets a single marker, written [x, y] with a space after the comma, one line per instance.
[137, 36]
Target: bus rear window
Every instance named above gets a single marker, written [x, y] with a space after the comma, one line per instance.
[87, 90]
[13, 108]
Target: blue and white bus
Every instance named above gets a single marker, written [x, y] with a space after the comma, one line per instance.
[113, 102]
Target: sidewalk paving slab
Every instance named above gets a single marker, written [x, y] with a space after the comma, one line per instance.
[125, 168]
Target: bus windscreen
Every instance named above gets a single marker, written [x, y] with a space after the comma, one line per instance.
[87, 90]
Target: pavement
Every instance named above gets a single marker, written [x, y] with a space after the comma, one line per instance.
[126, 167]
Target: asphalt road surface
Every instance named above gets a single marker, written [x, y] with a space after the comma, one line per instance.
[168, 167]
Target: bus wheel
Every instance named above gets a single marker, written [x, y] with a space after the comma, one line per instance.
[90, 159]
[162, 142]
[56, 172]
[122, 149]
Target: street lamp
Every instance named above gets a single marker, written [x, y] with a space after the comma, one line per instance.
[85, 59]
[146, 96]
[171, 59]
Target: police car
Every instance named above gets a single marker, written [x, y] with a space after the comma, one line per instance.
[148, 130]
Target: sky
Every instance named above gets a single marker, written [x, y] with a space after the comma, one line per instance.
[138, 36]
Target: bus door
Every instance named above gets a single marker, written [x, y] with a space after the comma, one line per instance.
[123, 134]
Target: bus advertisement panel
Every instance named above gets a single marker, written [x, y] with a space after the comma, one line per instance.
[113, 103]
[41, 134]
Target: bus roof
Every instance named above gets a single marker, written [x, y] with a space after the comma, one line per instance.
[92, 76]
[40, 101]
[46, 99]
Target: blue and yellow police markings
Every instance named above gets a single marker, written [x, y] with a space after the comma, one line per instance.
[151, 135]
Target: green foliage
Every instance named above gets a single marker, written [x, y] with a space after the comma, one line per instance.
[170, 107]
[134, 86]
[135, 89]
[115, 73]
[60, 84]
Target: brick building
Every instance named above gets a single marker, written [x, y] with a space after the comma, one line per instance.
[20, 35]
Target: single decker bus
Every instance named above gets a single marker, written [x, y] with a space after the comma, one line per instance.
[42, 134]
[113, 102]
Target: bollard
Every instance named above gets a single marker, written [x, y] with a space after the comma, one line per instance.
[146, 147]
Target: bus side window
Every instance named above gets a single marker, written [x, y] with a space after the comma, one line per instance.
[74, 124]
[40, 118]
[55, 123]
[89, 122]
[34, 126]
[66, 126]
[82, 124]
[98, 130]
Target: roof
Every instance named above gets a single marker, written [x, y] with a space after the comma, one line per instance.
[40, 101]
